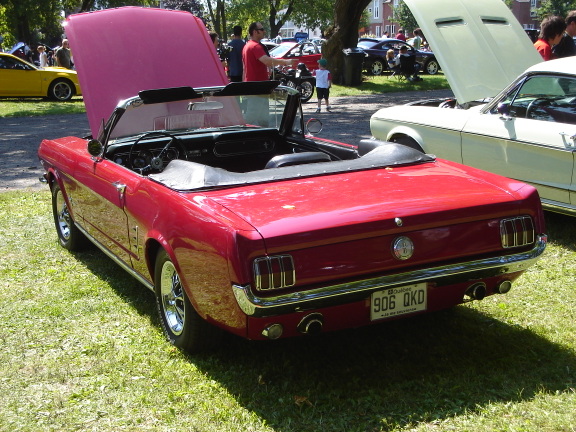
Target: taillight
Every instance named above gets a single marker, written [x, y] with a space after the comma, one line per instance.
[274, 272]
[517, 232]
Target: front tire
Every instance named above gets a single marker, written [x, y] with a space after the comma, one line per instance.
[377, 67]
[69, 236]
[182, 325]
[61, 90]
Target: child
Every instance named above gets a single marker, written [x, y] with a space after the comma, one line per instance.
[323, 84]
[391, 60]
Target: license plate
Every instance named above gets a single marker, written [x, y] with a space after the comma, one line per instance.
[402, 300]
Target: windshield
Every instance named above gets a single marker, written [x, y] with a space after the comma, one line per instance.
[366, 44]
[206, 112]
[281, 49]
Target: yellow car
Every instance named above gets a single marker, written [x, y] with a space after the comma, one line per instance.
[18, 78]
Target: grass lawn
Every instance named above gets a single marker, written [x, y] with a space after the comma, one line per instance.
[82, 349]
[15, 107]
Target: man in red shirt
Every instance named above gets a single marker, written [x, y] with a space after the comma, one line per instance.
[255, 57]
[551, 31]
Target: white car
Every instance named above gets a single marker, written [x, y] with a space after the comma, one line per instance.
[526, 131]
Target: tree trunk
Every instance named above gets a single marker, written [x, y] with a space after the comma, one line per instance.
[347, 14]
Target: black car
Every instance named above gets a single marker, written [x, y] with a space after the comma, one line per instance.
[375, 61]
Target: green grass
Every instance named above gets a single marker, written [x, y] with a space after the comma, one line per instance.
[370, 85]
[26, 107]
[82, 349]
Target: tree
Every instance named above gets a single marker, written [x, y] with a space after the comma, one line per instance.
[192, 6]
[403, 16]
[347, 14]
[217, 14]
[555, 7]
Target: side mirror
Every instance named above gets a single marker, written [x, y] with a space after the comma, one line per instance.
[504, 109]
[314, 126]
[95, 148]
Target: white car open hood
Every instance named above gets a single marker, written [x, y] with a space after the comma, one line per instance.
[119, 52]
[479, 44]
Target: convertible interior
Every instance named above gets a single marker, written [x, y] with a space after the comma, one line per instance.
[219, 159]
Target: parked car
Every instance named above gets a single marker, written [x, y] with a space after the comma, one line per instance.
[18, 78]
[306, 52]
[526, 131]
[375, 62]
[213, 197]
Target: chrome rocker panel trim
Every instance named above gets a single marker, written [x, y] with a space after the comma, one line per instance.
[255, 306]
[117, 260]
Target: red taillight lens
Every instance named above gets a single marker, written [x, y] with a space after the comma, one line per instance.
[274, 272]
[517, 232]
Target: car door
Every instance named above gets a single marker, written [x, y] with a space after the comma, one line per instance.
[532, 138]
[101, 196]
[18, 79]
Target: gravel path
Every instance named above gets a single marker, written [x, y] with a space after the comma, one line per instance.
[349, 122]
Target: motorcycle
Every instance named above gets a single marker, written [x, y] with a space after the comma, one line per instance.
[300, 78]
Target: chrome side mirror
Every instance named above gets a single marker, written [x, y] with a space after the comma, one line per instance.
[314, 126]
[95, 148]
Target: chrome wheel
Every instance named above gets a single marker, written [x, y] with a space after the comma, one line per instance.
[377, 67]
[432, 67]
[172, 298]
[182, 325]
[306, 89]
[61, 90]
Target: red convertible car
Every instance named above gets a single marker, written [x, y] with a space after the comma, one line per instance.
[212, 195]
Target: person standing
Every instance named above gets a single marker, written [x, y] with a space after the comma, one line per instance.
[400, 35]
[63, 56]
[323, 84]
[235, 68]
[255, 59]
[566, 47]
[551, 31]
[42, 57]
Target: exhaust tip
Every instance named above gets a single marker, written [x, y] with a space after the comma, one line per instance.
[503, 287]
[476, 291]
[311, 324]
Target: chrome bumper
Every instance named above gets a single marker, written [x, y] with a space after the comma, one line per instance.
[255, 306]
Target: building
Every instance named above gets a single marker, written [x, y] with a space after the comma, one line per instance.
[381, 14]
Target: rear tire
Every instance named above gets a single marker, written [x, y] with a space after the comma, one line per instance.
[182, 325]
[376, 67]
[61, 90]
[432, 67]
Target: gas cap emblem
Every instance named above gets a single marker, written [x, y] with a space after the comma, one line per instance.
[403, 248]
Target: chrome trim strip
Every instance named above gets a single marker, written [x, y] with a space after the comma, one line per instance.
[117, 260]
[253, 305]
[558, 207]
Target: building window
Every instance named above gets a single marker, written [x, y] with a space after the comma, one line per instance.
[378, 30]
[533, 3]
[376, 9]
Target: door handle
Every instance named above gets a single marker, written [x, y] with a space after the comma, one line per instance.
[121, 188]
[570, 136]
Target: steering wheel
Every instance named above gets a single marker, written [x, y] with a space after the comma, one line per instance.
[535, 104]
[156, 162]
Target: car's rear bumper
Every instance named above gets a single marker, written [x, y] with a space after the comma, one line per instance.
[496, 268]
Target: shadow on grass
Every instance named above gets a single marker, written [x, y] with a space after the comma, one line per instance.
[391, 375]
